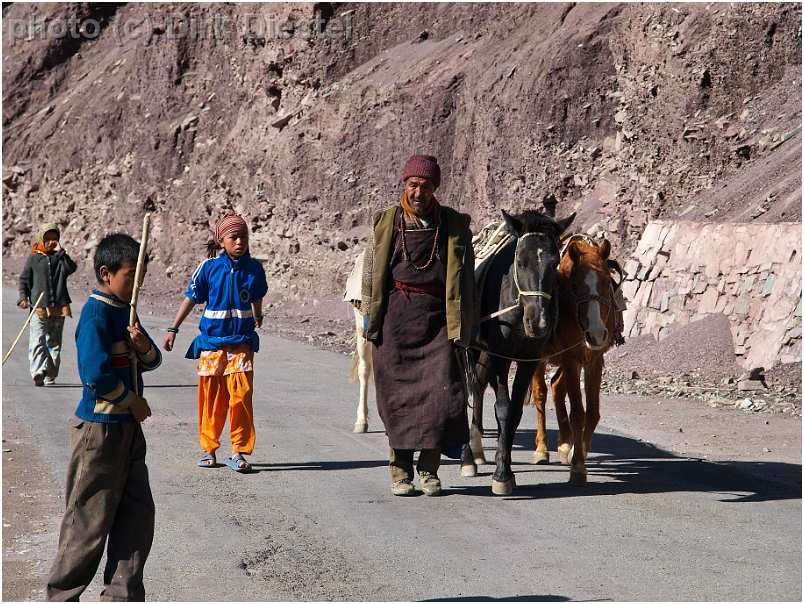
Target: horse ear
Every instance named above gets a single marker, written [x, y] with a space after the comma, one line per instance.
[514, 224]
[605, 249]
[564, 223]
[573, 252]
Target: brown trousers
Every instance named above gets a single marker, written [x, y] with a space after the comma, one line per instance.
[401, 463]
[108, 495]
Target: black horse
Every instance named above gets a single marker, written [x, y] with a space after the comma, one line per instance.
[519, 312]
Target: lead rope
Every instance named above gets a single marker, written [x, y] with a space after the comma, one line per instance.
[519, 360]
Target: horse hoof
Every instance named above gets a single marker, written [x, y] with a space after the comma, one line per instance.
[360, 427]
[577, 478]
[468, 471]
[541, 457]
[564, 453]
[480, 461]
[502, 488]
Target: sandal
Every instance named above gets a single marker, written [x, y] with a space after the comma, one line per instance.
[238, 463]
[207, 461]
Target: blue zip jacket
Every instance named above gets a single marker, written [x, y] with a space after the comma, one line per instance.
[103, 360]
[228, 287]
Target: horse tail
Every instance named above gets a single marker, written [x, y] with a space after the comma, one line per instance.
[556, 375]
[529, 400]
[541, 369]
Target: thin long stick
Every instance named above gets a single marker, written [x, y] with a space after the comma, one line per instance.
[135, 294]
[24, 325]
[146, 225]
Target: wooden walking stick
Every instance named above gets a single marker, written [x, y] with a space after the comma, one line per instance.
[24, 325]
[138, 277]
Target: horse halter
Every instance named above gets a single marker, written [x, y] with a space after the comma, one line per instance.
[587, 298]
[520, 291]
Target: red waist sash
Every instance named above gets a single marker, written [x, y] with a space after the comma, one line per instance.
[436, 292]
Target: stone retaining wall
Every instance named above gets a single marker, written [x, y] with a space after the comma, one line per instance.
[684, 271]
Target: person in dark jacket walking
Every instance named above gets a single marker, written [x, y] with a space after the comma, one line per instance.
[419, 301]
[46, 271]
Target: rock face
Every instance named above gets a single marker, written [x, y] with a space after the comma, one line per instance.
[299, 116]
[682, 272]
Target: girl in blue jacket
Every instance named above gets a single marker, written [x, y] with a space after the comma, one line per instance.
[232, 285]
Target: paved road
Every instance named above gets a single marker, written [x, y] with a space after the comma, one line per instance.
[317, 521]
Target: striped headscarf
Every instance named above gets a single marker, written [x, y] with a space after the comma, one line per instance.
[228, 225]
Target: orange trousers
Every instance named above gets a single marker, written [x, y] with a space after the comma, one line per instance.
[222, 394]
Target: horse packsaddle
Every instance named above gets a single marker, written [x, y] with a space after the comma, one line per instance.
[487, 243]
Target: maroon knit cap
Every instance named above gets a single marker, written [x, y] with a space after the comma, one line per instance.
[423, 166]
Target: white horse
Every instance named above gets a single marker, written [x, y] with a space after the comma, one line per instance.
[361, 368]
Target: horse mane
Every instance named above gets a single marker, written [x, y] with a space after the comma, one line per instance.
[590, 254]
[534, 221]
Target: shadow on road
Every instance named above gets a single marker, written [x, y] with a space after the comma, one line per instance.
[149, 386]
[64, 386]
[628, 465]
[320, 465]
[632, 466]
[508, 599]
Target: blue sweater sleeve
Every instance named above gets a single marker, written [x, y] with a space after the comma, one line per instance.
[94, 343]
[151, 359]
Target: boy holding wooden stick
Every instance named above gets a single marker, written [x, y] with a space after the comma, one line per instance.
[108, 492]
[44, 278]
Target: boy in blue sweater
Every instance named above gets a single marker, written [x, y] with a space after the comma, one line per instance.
[108, 493]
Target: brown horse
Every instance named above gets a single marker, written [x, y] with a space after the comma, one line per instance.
[585, 332]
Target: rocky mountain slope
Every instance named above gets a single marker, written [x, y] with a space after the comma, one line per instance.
[300, 116]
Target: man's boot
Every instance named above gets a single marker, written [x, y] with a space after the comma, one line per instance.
[429, 460]
[401, 466]
[403, 487]
[430, 483]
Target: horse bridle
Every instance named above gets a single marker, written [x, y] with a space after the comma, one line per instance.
[520, 293]
[523, 292]
[586, 299]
